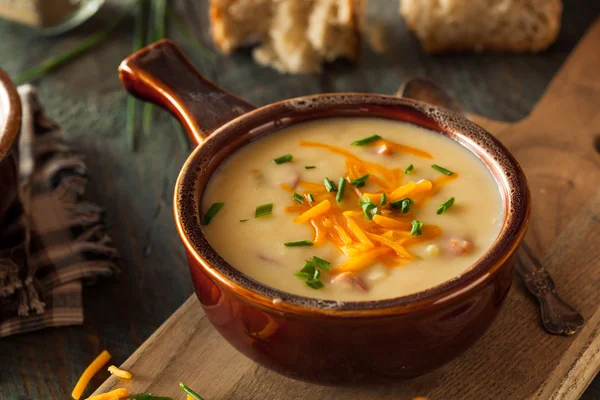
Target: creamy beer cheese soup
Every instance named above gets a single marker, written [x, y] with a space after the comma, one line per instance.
[352, 209]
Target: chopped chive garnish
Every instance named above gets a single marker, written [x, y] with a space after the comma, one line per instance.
[148, 396]
[315, 284]
[442, 170]
[283, 159]
[360, 182]
[263, 210]
[330, 186]
[298, 198]
[243, 220]
[311, 198]
[366, 141]
[320, 263]
[298, 244]
[310, 167]
[409, 169]
[446, 205]
[416, 228]
[189, 391]
[383, 200]
[368, 207]
[308, 271]
[317, 274]
[402, 204]
[341, 187]
[210, 214]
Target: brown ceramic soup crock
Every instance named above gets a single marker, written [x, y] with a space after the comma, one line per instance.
[326, 341]
[10, 124]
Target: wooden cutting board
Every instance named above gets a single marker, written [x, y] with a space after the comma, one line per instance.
[558, 146]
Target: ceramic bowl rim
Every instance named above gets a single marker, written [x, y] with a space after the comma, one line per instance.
[510, 236]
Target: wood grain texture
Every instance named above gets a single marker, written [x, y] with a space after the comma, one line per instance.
[516, 359]
[86, 98]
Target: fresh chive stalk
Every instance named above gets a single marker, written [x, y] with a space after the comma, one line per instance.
[187, 34]
[341, 187]
[310, 167]
[444, 206]
[263, 210]
[298, 244]
[60, 59]
[283, 159]
[402, 204]
[416, 228]
[330, 186]
[366, 141]
[298, 198]
[442, 170]
[148, 396]
[409, 169]
[210, 214]
[360, 182]
[383, 200]
[369, 209]
[311, 198]
[189, 391]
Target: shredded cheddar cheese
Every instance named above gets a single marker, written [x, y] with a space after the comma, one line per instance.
[119, 372]
[189, 397]
[386, 237]
[89, 373]
[116, 394]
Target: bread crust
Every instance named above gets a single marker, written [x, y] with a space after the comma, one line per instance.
[218, 10]
[431, 45]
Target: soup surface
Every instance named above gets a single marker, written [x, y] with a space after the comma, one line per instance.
[396, 225]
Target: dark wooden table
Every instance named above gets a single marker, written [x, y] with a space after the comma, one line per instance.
[85, 97]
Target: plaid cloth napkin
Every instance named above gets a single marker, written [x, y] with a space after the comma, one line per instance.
[51, 241]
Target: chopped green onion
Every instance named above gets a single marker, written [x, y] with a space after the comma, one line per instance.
[402, 204]
[383, 200]
[308, 271]
[445, 206]
[298, 198]
[283, 159]
[320, 263]
[341, 187]
[298, 244]
[310, 167]
[263, 210]
[243, 220]
[317, 274]
[368, 207]
[210, 214]
[416, 228]
[315, 283]
[366, 141]
[409, 169]
[311, 198]
[360, 182]
[330, 186]
[189, 391]
[442, 170]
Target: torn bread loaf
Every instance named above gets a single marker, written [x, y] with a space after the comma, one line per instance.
[497, 25]
[294, 36]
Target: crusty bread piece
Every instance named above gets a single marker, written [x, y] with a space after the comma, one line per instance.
[295, 36]
[497, 25]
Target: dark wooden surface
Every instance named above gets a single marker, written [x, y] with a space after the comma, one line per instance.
[86, 98]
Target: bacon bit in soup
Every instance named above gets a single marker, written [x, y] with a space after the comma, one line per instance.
[119, 372]
[267, 259]
[385, 150]
[117, 394]
[458, 247]
[348, 279]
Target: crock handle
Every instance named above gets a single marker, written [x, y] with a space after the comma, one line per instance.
[161, 74]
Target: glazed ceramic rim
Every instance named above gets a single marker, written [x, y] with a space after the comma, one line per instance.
[207, 157]
[9, 125]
